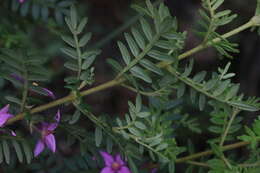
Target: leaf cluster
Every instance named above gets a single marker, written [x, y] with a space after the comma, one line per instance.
[211, 20]
[80, 59]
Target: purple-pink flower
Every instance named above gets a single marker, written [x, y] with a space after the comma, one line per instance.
[20, 79]
[21, 1]
[4, 115]
[47, 137]
[114, 164]
[49, 93]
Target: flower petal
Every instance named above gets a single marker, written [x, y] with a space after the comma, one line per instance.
[50, 142]
[107, 170]
[119, 160]
[108, 159]
[3, 118]
[49, 93]
[124, 169]
[39, 148]
[17, 77]
[57, 117]
[53, 126]
[4, 110]
[13, 133]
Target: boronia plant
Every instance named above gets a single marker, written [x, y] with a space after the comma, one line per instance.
[147, 138]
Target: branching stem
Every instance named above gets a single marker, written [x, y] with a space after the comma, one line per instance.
[235, 112]
[112, 83]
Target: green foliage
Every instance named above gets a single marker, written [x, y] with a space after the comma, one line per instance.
[149, 44]
[252, 136]
[15, 148]
[41, 10]
[80, 59]
[218, 88]
[211, 21]
[152, 132]
[23, 69]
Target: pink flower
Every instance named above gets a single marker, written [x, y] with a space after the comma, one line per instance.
[47, 137]
[20, 79]
[4, 115]
[21, 1]
[114, 164]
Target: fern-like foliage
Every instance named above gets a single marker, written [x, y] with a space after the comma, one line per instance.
[15, 148]
[212, 19]
[80, 59]
[150, 44]
[23, 69]
[219, 88]
[41, 10]
[153, 132]
[220, 118]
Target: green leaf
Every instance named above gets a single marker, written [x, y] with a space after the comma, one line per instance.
[243, 106]
[124, 52]
[181, 90]
[217, 4]
[6, 150]
[70, 52]
[150, 7]
[13, 100]
[216, 129]
[155, 142]
[143, 114]
[134, 131]
[138, 38]
[138, 103]
[18, 150]
[199, 76]
[222, 87]
[115, 64]
[216, 149]
[163, 12]
[84, 40]
[28, 152]
[146, 29]
[69, 41]
[188, 69]
[202, 102]
[132, 45]
[165, 45]
[132, 165]
[161, 147]
[140, 73]
[210, 84]
[232, 92]
[73, 17]
[98, 136]
[150, 66]
[140, 125]
[159, 55]
[88, 62]
[75, 117]
[71, 65]
[193, 94]
[82, 25]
